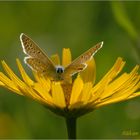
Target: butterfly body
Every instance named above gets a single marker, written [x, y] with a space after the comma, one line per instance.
[59, 71]
[38, 61]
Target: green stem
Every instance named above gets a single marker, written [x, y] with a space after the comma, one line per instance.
[71, 127]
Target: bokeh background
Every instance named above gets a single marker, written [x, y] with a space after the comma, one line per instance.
[78, 26]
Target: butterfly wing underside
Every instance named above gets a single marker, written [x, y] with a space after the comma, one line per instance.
[79, 63]
[36, 59]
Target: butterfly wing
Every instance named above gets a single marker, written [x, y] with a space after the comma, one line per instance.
[79, 63]
[39, 66]
[36, 59]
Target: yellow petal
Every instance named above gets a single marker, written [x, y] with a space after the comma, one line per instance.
[44, 82]
[1, 83]
[42, 92]
[120, 95]
[24, 75]
[86, 94]
[115, 85]
[66, 57]
[7, 83]
[55, 59]
[26, 90]
[58, 95]
[133, 95]
[33, 94]
[89, 74]
[116, 99]
[122, 83]
[66, 60]
[99, 88]
[12, 76]
[115, 70]
[97, 92]
[76, 90]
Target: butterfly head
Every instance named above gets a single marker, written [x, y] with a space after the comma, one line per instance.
[59, 69]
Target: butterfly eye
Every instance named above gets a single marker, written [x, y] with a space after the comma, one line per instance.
[59, 69]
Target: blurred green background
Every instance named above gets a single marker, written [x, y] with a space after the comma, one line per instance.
[76, 25]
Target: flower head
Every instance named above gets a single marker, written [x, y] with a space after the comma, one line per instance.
[78, 96]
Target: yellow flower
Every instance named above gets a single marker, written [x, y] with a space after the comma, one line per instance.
[81, 95]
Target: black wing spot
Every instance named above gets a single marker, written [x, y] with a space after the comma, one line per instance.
[80, 68]
[43, 70]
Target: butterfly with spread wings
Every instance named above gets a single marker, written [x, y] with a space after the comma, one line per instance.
[38, 61]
